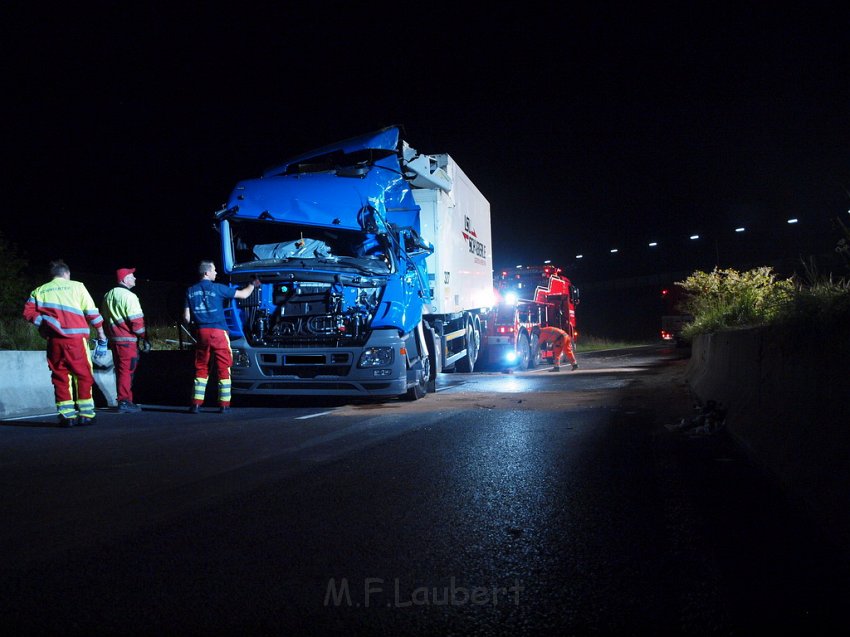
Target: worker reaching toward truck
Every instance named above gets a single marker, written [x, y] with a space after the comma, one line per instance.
[204, 308]
[561, 344]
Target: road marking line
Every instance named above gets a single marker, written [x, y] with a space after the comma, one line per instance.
[323, 413]
[27, 417]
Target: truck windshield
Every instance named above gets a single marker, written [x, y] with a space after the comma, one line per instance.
[267, 243]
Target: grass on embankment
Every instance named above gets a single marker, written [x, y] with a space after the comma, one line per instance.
[595, 343]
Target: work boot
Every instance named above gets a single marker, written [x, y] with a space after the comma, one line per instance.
[575, 366]
[127, 407]
[86, 420]
[556, 368]
[223, 409]
[194, 409]
[67, 422]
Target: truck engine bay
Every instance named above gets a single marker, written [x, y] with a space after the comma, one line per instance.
[321, 288]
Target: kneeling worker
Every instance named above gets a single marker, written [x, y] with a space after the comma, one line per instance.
[561, 344]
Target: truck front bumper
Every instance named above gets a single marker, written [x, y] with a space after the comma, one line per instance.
[320, 371]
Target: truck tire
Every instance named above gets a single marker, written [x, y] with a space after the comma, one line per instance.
[420, 388]
[471, 341]
[523, 353]
[536, 357]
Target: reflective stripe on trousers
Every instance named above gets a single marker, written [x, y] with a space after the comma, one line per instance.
[212, 343]
[69, 361]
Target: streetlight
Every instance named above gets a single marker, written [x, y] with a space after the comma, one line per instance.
[739, 229]
[652, 244]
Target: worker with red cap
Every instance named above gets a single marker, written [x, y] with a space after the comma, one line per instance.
[63, 311]
[125, 326]
[561, 344]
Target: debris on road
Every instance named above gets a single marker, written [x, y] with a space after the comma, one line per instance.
[710, 419]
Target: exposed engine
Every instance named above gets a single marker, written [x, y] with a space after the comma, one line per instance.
[310, 314]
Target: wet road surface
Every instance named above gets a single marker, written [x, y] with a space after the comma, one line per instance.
[510, 504]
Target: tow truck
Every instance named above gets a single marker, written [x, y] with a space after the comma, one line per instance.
[527, 299]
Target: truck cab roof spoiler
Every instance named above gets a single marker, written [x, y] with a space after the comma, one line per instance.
[422, 171]
[384, 139]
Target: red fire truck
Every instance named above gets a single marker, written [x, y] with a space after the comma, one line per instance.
[527, 299]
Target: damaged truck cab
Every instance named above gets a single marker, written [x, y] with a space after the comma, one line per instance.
[375, 266]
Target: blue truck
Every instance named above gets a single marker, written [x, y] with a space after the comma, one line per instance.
[376, 270]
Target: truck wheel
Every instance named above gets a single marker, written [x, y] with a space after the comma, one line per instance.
[471, 340]
[523, 353]
[536, 357]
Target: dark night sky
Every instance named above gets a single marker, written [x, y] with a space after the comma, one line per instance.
[127, 126]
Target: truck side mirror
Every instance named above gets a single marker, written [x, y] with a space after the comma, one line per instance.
[414, 245]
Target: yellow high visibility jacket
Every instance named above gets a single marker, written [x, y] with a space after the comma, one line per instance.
[62, 308]
[123, 315]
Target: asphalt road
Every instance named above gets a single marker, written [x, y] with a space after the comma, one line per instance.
[504, 504]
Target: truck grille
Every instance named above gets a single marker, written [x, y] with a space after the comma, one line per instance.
[305, 371]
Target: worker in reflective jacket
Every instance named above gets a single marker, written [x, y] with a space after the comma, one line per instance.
[63, 310]
[561, 344]
[125, 326]
[204, 309]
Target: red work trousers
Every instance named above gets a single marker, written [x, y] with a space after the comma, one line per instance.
[212, 343]
[125, 357]
[71, 374]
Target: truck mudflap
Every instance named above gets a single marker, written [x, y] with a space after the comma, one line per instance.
[419, 368]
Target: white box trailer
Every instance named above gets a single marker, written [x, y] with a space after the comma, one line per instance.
[455, 218]
[457, 223]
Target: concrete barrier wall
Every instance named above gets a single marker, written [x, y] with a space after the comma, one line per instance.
[161, 378]
[786, 393]
[25, 387]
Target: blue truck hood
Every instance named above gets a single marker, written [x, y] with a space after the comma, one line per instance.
[331, 196]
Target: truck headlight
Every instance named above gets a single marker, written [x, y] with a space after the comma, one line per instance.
[376, 357]
[240, 359]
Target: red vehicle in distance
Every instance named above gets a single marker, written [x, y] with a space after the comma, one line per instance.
[527, 299]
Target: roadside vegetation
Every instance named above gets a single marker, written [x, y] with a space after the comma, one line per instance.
[17, 334]
[594, 343]
[15, 285]
[727, 299]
